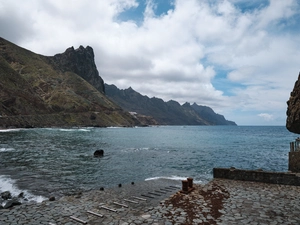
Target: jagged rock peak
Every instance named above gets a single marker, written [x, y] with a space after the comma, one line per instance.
[293, 109]
[80, 61]
[88, 51]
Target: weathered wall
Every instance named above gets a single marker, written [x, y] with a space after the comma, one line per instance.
[294, 161]
[257, 176]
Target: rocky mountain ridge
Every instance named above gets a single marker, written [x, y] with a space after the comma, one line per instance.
[164, 113]
[61, 90]
[66, 90]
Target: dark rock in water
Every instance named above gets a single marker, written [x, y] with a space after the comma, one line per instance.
[21, 195]
[102, 189]
[52, 198]
[12, 203]
[6, 195]
[293, 109]
[120, 185]
[98, 153]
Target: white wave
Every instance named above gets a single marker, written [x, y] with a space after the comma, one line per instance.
[173, 178]
[130, 150]
[8, 184]
[6, 149]
[9, 130]
[66, 130]
[85, 130]
[168, 178]
[74, 129]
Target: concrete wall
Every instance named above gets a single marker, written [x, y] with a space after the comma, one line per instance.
[294, 161]
[257, 176]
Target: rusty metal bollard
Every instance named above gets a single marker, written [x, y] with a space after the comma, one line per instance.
[185, 186]
[190, 182]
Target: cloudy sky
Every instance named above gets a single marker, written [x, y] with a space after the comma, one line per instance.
[240, 57]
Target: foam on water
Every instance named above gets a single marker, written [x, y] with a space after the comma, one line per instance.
[8, 184]
[6, 149]
[75, 129]
[9, 130]
[170, 178]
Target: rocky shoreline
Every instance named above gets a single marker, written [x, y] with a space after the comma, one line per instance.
[158, 202]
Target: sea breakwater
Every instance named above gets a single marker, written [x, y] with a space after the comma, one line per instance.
[286, 178]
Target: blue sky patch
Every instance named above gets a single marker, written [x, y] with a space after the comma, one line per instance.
[252, 5]
[137, 14]
[221, 83]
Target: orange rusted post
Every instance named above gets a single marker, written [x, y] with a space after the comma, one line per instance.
[185, 186]
[190, 182]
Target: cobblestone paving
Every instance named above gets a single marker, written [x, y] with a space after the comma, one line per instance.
[218, 202]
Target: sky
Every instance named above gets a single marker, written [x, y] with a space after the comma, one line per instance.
[239, 57]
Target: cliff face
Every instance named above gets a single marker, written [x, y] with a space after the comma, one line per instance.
[62, 90]
[293, 109]
[165, 113]
[79, 61]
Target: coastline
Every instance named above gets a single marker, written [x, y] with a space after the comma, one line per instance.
[220, 201]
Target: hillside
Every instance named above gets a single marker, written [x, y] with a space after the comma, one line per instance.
[164, 113]
[61, 90]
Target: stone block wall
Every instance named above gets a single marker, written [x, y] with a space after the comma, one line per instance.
[294, 161]
[286, 178]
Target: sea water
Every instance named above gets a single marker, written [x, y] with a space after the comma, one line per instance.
[54, 161]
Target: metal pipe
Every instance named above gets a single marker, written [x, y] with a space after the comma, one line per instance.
[185, 186]
[190, 181]
[116, 203]
[142, 199]
[96, 214]
[78, 220]
[127, 200]
[109, 209]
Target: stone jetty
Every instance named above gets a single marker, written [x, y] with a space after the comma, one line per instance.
[160, 202]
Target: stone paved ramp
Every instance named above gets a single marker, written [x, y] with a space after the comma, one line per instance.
[218, 202]
[139, 199]
[260, 203]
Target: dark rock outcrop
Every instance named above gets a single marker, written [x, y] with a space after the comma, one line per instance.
[164, 113]
[293, 109]
[6, 195]
[12, 203]
[80, 61]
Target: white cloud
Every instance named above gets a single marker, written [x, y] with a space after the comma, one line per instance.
[178, 55]
[266, 116]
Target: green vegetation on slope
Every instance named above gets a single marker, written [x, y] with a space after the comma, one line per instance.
[34, 93]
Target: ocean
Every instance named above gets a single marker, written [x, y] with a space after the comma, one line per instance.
[45, 162]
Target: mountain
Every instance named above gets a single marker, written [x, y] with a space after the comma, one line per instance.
[61, 90]
[293, 109]
[164, 113]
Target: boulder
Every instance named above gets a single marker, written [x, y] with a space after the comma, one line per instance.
[99, 153]
[21, 195]
[6, 195]
[12, 203]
